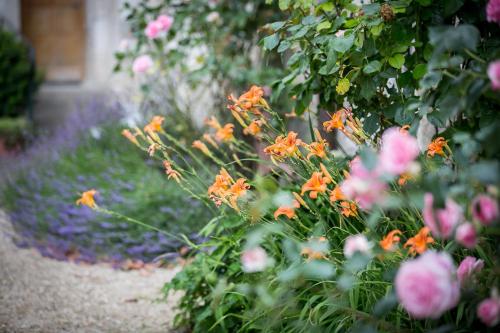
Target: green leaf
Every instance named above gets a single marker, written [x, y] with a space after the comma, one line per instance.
[342, 44]
[372, 67]
[397, 61]
[330, 66]
[323, 26]
[419, 71]
[270, 42]
[451, 6]
[277, 25]
[284, 4]
[284, 45]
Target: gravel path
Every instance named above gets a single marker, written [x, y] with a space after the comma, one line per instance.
[38, 294]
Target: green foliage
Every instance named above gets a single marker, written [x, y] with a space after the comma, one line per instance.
[18, 78]
[395, 63]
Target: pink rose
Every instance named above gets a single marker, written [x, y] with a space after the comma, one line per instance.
[165, 22]
[466, 235]
[356, 243]
[254, 260]
[485, 209]
[494, 74]
[142, 64]
[489, 311]
[398, 151]
[363, 186]
[493, 11]
[467, 268]
[152, 30]
[441, 221]
[426, 286]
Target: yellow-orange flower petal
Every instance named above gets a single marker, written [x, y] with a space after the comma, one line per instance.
[436, 147]
[316, 184]
[155, 124]
[388, 243]
[348, 208]
[225, 133]
[288, 211]
[418, 243]
[87, 199]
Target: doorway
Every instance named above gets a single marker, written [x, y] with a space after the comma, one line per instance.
[56, 29]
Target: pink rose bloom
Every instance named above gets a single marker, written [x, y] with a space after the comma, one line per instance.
[441, 221]
[398, 151]
[467, 268]
[363, 186]
[165, 22]
[254, 260]
[493, 11]
[426, 286]
[485, 209]
[356, 243]
[142, 64]
[466, 235]
[152, 30]
[494, 74]
[489, 311]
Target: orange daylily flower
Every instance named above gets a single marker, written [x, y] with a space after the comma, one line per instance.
[312, 254]
[388, 243]
[253, 128]
[249, 101]
[337, 121]
[284, 146]
[418, 243]
[155, 124]
[225, 133]
[316, 184]
[287, 210]
[131, 137]
[225, 189]
[87, 199]
[317, 148]
[201, 146]
[237, 190]
[404, 178]
[436, 147]
[348, 208]
[337, 195]
[171, 173]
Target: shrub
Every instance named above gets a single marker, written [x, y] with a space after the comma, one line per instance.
[18, 77]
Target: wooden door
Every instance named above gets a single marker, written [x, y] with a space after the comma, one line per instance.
[56, 30]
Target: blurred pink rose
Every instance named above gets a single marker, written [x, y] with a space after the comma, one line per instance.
[489, 311]
[399, 150]
[494, 74]
[426, 286]
[356, 243]
[363, 186]
[468, 267]
[485, 209]
[441, 221]
[142, 64]
[493, 11]
[466, 235]
[165, 22]
[152, 30]
[254, 260]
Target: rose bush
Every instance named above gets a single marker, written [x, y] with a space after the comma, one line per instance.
[308, 238]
